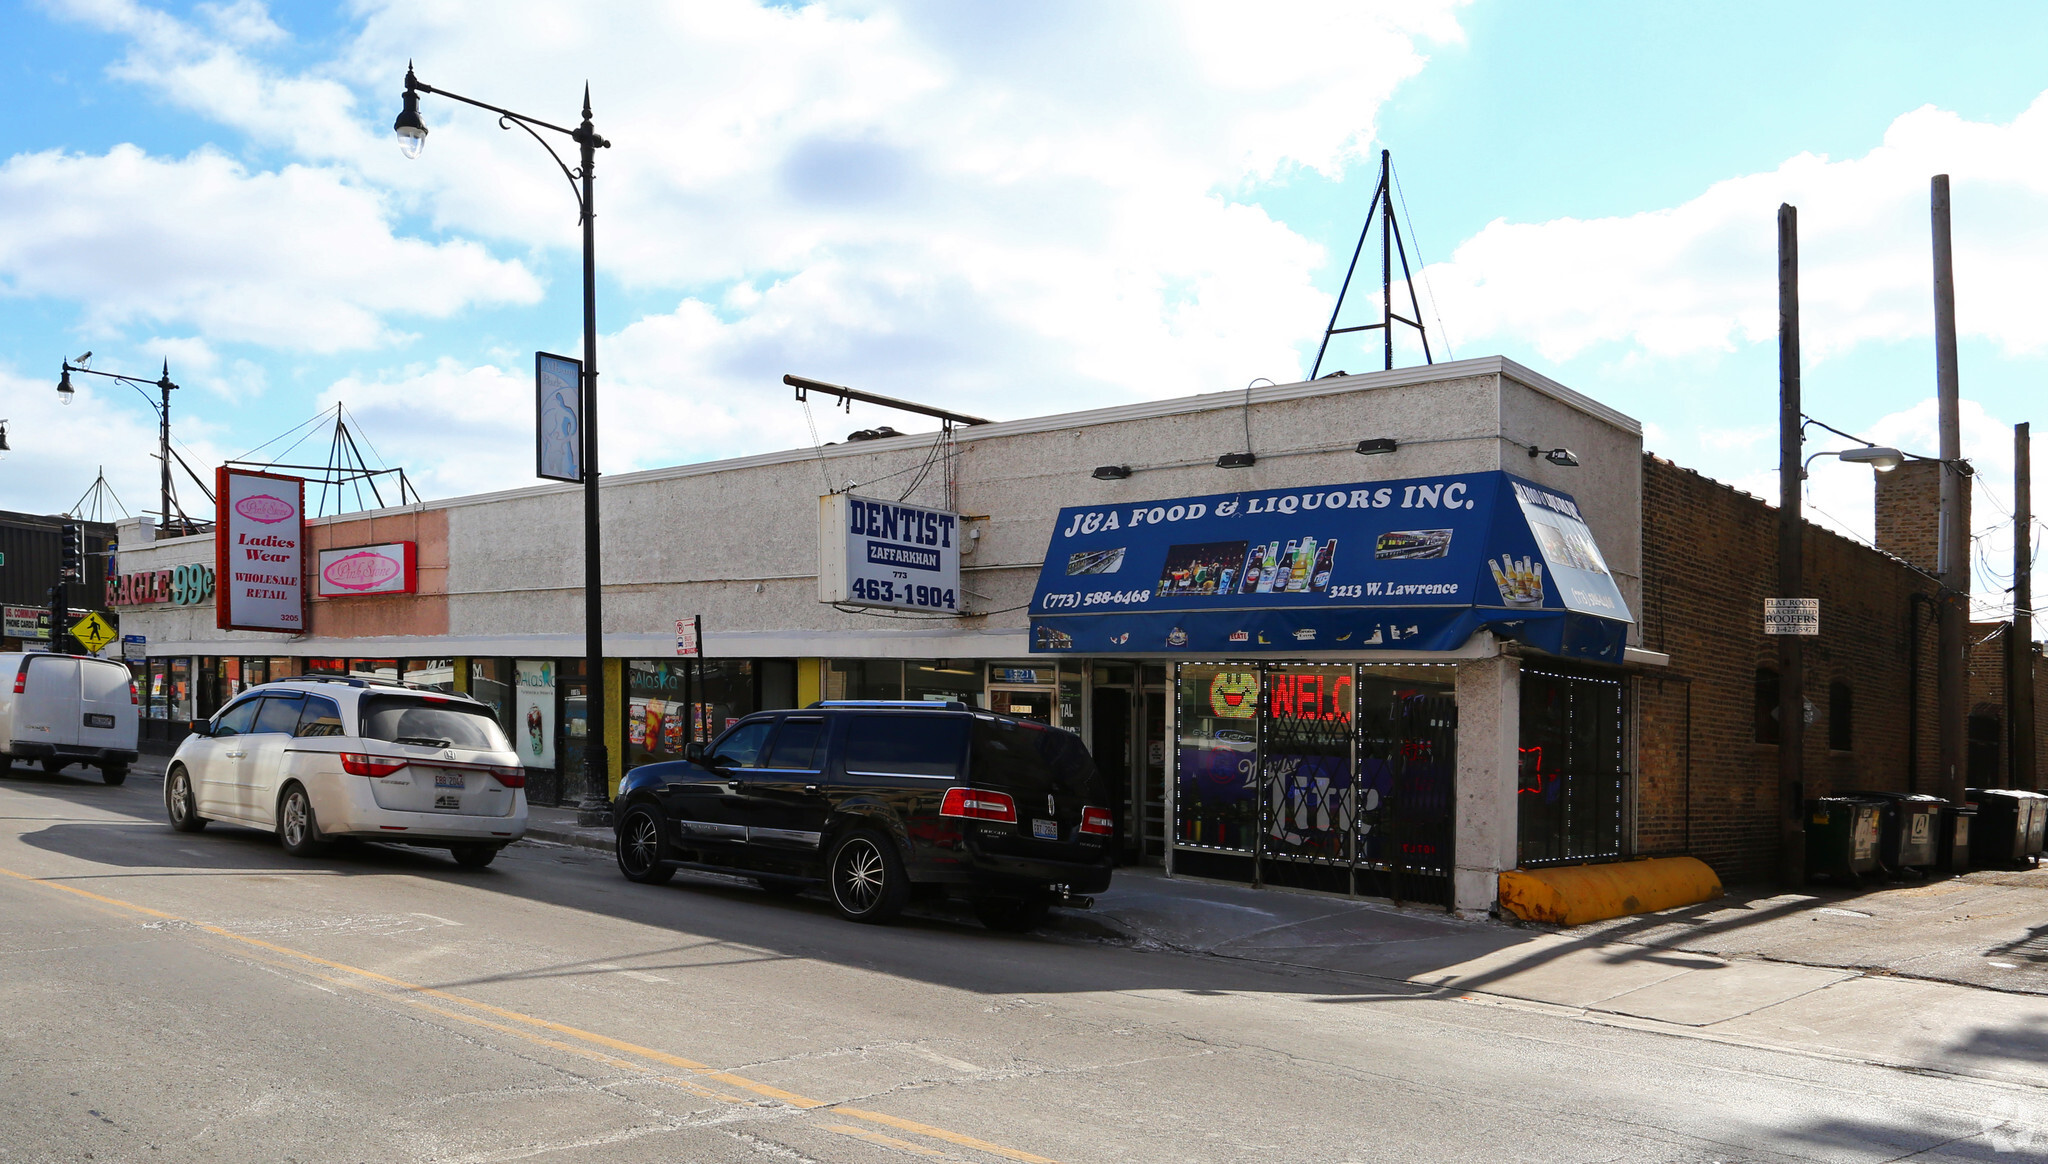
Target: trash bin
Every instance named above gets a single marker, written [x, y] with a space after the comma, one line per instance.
[1999, 836]
[1842, 837]
[2037, 826]
[1911, 836]
[1956, 821]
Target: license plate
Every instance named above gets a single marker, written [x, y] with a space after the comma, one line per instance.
[1048, 830]
[453, 780]
[99, 720]
[446, 801]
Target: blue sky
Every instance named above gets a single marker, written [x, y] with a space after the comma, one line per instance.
[1006, 209]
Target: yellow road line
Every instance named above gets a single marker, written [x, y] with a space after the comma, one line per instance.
[703, 1070]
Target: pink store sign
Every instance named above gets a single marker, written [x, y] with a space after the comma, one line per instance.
[385, 569]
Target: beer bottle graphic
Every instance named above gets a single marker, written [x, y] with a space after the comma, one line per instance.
[1326, 560]
[1304, 565]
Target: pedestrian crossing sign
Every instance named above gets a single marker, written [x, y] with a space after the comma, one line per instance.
[92, 632]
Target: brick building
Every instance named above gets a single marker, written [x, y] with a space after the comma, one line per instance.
[1707, 726]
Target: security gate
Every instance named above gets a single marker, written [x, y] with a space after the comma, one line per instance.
[1336, 777]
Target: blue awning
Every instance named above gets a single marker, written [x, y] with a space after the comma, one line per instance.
[1411, 565]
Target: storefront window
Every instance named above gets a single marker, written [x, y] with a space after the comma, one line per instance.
[533, 712]
[1070, 697]
[1216, 796]
[284, 667]
[490, 682]
[724, 693]
[1305, 762]
[941, 680]
[657, 712]
[230, 671]
[432, 674]
[1573, 781]
[864, 679]
[326, 666]
[179, 703]
[386, 669]
[575, 718]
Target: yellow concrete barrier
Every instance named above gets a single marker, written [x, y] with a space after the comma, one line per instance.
[1576, 894]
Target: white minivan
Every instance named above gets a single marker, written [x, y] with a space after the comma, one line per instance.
[67, 709]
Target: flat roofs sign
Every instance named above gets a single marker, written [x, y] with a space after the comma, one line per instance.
[391, 568]
[259, 551]
[1791, 616]
[888, 554]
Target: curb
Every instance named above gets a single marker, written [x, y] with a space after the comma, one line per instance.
[578, 837]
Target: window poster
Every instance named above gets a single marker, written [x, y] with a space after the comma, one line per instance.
[533, 730]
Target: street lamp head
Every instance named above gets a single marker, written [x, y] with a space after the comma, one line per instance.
[412, 132]
[1884, 460]
[3, 439]
[64, 389]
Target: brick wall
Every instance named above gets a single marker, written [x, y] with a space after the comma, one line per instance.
[1709, 561]
[1909, 512]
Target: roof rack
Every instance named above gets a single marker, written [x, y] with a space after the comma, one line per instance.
[947, 705]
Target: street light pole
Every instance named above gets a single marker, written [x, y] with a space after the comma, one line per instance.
[595, 807]
[164, 388]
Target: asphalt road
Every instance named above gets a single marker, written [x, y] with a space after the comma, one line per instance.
[172, 997]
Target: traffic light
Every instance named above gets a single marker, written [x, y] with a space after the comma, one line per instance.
[73, 544]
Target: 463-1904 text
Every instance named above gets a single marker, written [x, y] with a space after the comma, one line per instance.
[905, 594]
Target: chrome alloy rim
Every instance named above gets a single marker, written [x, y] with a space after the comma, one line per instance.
[859, 883]
[643, 843]
[181, 792]
[295, 818]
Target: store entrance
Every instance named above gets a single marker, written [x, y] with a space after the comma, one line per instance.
[1336, 777]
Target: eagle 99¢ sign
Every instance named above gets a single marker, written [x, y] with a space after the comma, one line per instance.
[888, 554]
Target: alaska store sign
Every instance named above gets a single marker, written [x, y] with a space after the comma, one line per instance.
[387, 569]
[259, 557]
[1413, 565]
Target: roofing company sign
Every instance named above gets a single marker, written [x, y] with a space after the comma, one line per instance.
[385, 569]
[259, 556]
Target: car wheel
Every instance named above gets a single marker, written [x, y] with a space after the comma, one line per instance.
[114, 775]
[866, 877]
[639, 847]
[1011, 915]
[473, 856]
[178, 801]
[297, 829]
[780, 886]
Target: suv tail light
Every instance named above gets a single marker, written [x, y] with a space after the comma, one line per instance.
[976, 804]
[360, 764]
[510, 775]
[1097, 822]
[134, 695]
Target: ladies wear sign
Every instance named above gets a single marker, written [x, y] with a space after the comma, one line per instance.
[259, 557]
[1415, 565]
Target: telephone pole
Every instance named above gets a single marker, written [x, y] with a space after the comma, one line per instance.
[1791, 564]
[1952, 622]
[2019, 663]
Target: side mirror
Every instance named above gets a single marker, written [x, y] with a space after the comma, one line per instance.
[202, 728]
[694, 752]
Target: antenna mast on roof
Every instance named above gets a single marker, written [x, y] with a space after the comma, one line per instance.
[1390, 246]
[346, 473]
[93, 505]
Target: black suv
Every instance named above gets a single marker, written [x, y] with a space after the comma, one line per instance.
[877, 800]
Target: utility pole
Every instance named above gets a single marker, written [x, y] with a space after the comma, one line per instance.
[1952, 622]
[2019, 663]
[1791, 564]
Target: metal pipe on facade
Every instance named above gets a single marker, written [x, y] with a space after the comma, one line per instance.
[1952, 693]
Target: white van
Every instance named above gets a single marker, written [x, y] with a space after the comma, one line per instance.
[67, 709]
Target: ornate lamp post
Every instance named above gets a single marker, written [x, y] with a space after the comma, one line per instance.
[595, 807]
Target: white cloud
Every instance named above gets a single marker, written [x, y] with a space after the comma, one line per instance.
[58, 448]
[1702, 277]
[300, 259]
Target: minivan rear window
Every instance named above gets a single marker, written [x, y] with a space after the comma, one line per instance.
[1029, 757]
[407, 719]
[908, 745]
